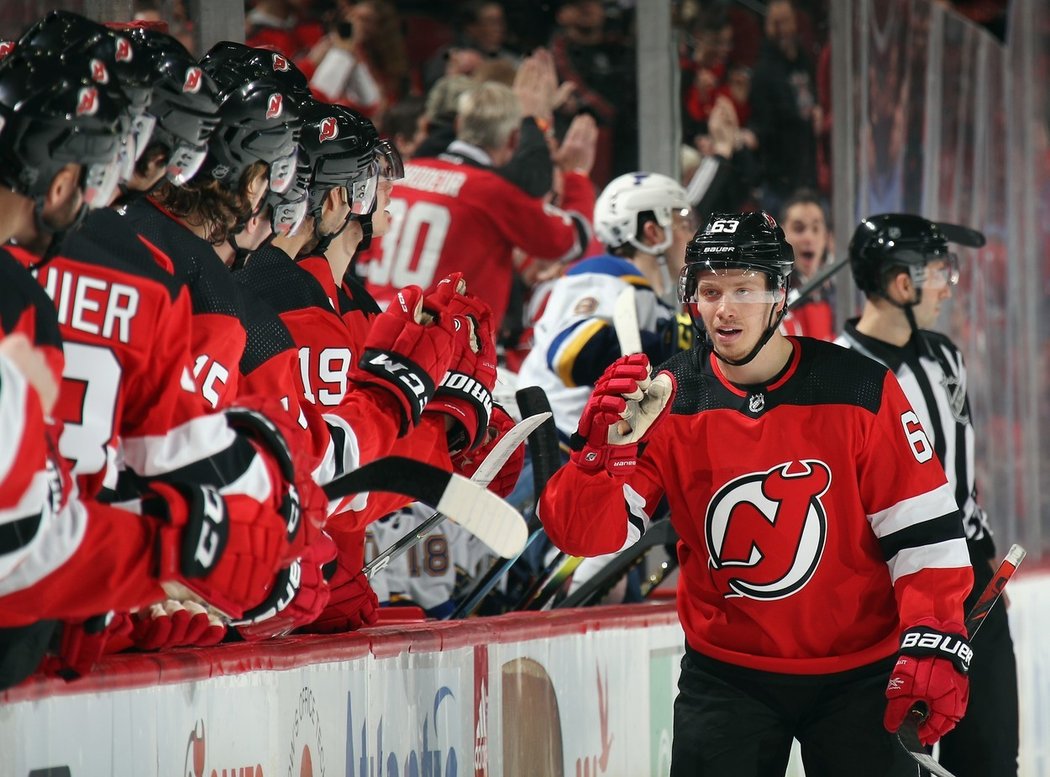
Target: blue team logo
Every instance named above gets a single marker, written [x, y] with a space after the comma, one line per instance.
[766, 530]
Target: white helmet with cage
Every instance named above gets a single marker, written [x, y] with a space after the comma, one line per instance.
[625, 198]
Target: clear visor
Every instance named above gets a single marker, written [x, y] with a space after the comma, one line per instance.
[713, 286]
[184, 163]
[100, 182]
[287, 217]
[940, 271]
[141, 132]
[282, 172]
[391, 166]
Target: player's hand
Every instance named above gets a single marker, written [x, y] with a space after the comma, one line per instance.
[172, 624]
[625, 406]
[352, 605]
[465, 392]
[33, 365]
[467, 462]
[221, 551]
[931, 673]
[302, 597]
[408, 351]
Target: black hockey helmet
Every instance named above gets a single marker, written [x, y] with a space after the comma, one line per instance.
[262, 62]
[746, 241]
[184, 102]
[259, 122]
[898, 242]
[340, 146]
[53, 113]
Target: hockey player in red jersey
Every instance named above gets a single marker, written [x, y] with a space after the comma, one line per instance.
[455, 213]
[820, 547]
[906, 269]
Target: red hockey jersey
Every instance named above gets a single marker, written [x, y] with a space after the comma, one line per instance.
[814, 520]
[451, 215]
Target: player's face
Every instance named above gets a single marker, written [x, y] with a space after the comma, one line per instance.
[806, 231]
[735, 306]
[381, 218]
[936, 290]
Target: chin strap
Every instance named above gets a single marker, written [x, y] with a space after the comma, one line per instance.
[324, 241]
[774, 322]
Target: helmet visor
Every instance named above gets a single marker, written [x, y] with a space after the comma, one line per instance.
[709, 284]
[938, 272]
[391, 166]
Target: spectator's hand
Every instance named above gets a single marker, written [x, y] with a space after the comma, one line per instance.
[32, 363]
[536, 85]
[577, 149]
[723, 126]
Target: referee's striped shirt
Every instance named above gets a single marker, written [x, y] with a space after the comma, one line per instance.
[933, 376]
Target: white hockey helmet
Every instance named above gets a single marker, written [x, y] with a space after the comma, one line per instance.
[625, 197]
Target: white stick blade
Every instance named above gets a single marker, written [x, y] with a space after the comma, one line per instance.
[484, 515]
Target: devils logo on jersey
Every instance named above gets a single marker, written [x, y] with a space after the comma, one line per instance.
[766, 530]
[192, 84]
[329, 129]
[274, 105]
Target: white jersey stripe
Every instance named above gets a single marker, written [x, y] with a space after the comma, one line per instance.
[940, 555]
[924, 507]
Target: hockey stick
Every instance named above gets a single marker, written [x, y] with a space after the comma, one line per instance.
[486, 471]
[908, 733]
[470, 505]
[659, 533]
[561, 567]
[546, 458]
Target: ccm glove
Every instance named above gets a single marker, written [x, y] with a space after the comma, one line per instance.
[931, 673]
[465, 392]
[408, 351]
[352, 605]
[626, 405]
[223, 550]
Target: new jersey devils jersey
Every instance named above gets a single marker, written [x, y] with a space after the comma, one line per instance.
[450, 214]
[814, 518]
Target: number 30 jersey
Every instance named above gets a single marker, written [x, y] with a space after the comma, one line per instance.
[814, 520]
[451, 214]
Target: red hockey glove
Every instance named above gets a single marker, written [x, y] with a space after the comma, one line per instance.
[931, 672]
[407, 352]
[226, 551]
[83, 644]
[626, 405]
[353, 603]
[465, 392]
[175, 624]
[467, 462]
[301, 594]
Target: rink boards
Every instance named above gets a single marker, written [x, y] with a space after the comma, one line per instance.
[576, 693]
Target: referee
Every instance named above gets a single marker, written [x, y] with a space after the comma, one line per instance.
[905, 269]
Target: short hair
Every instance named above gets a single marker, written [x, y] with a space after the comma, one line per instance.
[488, 114]
[803, 196]
[443, 97]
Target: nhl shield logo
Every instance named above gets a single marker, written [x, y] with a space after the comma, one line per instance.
[329, 129]
[274, 106]
[87, 101]
[192, 83]
[756, 403]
